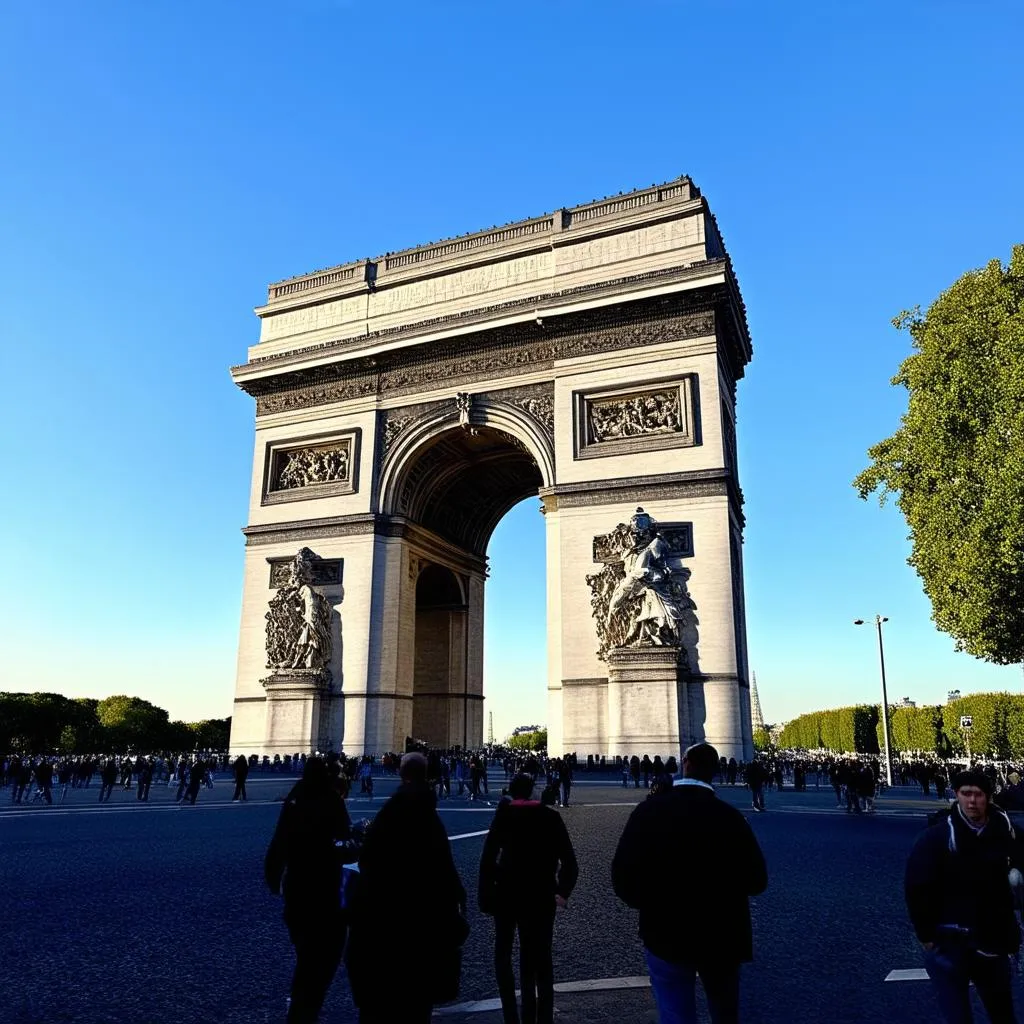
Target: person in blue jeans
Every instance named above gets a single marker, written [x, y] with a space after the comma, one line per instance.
[695, 914]
[961, 901]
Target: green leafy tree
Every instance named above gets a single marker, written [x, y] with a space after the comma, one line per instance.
[132, 723]
[956, 463]
[762, 739]
[537, 740]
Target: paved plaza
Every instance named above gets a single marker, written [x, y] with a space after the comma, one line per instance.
[151, 914]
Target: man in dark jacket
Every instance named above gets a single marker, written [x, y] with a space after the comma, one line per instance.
[695, 913]
[961, 904]
[241, 767]
[407, 880]
[311, 842]
[528, 867]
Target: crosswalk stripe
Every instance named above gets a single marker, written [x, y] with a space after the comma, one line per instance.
[913, 974]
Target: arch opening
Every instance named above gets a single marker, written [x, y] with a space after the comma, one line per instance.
[457, 484]
[462, 482]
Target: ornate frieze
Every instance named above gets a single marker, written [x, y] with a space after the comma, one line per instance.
[311, 467]
[499, 353]
[299, 621]
[640, 418]
[640, 598]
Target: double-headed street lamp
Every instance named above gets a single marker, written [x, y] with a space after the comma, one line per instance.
[879, 619]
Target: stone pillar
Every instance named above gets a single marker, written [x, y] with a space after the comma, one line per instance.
[295, 700]
[644, 701]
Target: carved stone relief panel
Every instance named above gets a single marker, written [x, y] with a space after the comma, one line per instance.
[324, 572]
[646, 416]
[312, 467]
[299, 621]
[640, 596]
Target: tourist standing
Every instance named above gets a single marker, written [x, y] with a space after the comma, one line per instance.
[312, 840]
[241, 770]
[695, 918]
[108, 777]
[961, 905]
[756, 776]
[566, 779]
[528, 868]
[407, 878]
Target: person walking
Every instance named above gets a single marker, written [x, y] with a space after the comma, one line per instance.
[694, 918]
[756, 776]
[406, 874]
[961, 904]
[241, 770]
[108, 778]
[195, 781]
[566, 779]
[527, 869]
[312, 841]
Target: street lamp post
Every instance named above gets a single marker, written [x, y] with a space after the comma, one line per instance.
[879, 619]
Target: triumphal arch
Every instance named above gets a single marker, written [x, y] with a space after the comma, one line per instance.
[587, 357]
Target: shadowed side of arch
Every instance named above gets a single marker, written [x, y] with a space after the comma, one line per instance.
[459, 479]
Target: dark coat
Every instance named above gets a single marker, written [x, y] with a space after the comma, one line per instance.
[695, 903]
[959, 878]
[527, 859]
[408, 886]
[303, 860]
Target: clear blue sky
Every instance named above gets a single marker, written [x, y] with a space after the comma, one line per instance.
[160, 163]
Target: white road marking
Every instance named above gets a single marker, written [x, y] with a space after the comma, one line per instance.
[913, 974]
[563, 987]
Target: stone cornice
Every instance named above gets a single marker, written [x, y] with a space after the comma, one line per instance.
[698, 483]
[546, 230]
[505, 352]
[534, 306]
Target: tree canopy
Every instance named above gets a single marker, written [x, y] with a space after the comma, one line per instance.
[46, 723]
[537, 740]
[956, 463]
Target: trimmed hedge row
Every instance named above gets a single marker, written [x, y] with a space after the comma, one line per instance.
[997, 729]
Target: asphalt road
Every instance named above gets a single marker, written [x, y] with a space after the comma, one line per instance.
[151, 914]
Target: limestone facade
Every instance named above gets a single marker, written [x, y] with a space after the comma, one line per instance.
[404, 404]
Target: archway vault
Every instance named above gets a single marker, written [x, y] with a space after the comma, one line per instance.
[457, 477]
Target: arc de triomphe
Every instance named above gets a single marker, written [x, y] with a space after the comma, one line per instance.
[405, 404]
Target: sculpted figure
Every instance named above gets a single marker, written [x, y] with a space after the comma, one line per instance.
[299, 621]
[640, 597]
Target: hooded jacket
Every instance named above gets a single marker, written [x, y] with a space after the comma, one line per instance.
[956, 883]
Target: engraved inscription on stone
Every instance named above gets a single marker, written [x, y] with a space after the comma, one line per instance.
[636, 415]
[316, 464]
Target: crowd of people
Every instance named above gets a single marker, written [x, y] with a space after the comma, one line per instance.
[527, 873]
[345, 884]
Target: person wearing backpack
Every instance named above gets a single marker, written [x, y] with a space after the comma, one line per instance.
[959, 897]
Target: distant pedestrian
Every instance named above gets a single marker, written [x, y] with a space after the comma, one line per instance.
[565, 776]
[195, 780]
[241, 769]
[757, 775]
[108, 778]
[694, 918]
